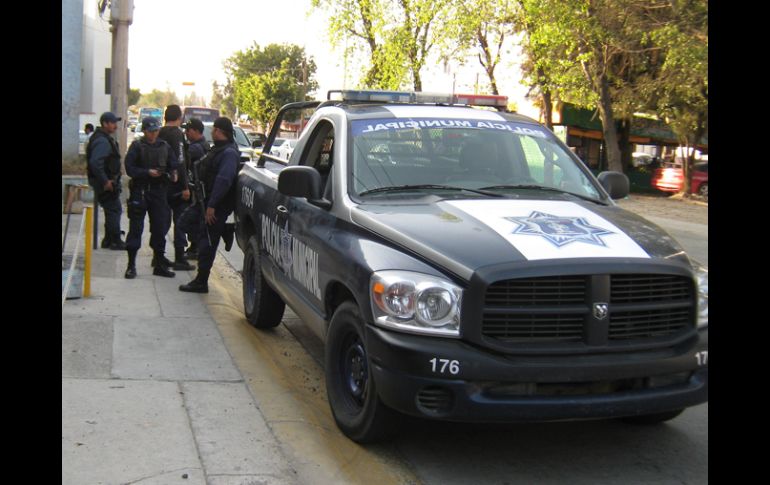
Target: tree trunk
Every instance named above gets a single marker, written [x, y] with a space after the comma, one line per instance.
[547, 108]
[608, 126]
[624, 143]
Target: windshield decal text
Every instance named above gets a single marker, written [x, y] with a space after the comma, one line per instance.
[379, 125]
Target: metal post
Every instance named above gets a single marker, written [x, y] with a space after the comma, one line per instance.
[96, 222]
[87, 269]
[121, 16]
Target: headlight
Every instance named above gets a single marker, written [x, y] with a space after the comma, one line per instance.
[702, 280]
[416, 303]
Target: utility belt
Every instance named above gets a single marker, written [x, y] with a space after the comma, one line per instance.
[161, 183]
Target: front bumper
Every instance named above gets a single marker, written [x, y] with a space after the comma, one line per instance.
[452, 380]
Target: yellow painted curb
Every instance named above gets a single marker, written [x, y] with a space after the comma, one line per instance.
[289, 389]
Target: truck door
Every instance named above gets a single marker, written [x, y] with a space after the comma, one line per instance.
[306, 227]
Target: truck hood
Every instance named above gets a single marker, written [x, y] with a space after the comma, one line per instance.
[465, 235]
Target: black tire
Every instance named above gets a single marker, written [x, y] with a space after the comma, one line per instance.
[648, 419]
[261, 304]
[350, 386]
[703, 191]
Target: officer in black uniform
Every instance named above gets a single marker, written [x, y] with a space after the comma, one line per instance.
[152, 167]
[104, 177]
[217, 171]
[197, 147]
[179, 191]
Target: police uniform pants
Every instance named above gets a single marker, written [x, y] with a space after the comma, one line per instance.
[150, 201]
[178, 206]
[206, 251]
[190, 222]
[112, 211]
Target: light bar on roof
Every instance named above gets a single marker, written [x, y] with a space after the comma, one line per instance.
[444, 98]
[481, 100]
[383, 96]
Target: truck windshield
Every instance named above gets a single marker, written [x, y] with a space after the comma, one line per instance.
[499, 156]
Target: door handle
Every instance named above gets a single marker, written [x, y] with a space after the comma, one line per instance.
[282, 209]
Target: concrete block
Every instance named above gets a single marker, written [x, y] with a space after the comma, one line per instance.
[125, 432]
[232, 436]
[170, 349]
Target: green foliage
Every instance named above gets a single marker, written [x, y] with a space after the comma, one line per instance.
[397, 36]
[133, 96]
[222, 99]
[159, 98]
[260, 81]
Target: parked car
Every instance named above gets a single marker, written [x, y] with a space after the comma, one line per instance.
[244, 145]
[276, 144]
[641, 159]
[286, 149]
[671, 178]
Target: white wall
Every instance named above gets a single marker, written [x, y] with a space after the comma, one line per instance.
[97, 56]
[70, 76]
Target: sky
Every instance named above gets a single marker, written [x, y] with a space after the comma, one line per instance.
[177, 41]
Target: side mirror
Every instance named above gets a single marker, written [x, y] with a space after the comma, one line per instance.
[302, 181]
[615, 183]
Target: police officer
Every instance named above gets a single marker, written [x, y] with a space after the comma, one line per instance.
[179, 191]
[104, 177]
[151, 165]
[197, 147]
[217, 171]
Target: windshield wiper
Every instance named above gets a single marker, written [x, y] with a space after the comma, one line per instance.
[544, 188]
[396, 188]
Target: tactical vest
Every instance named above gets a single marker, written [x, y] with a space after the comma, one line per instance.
[111, 161]
[153, 156]
[208, 166]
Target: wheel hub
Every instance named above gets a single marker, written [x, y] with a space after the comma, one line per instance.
[355, 371]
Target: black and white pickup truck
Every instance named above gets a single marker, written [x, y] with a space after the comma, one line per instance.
[462, 264]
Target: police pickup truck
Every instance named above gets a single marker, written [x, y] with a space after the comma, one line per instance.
[461, 263]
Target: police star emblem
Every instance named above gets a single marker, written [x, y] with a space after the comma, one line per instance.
[559, 230]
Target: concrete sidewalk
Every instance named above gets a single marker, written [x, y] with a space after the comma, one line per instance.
[150, 393]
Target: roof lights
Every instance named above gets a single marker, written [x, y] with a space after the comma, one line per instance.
[420, 97]
[481, 100]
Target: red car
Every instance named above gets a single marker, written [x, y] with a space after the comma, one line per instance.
[670, 179]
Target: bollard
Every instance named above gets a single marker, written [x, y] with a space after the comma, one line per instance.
[87, 269]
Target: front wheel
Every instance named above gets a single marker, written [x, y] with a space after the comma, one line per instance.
[261, 304]
[350, 387]
[703, 191]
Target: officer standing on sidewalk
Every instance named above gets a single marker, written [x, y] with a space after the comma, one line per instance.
[178, 192]
[217, 171]
[152, 167]
[104, 177]
[197, 147]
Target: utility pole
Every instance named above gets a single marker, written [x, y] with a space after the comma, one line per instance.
[121, 16]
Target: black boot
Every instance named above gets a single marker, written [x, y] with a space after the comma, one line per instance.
[228, 235]
[131, 270]
[116, 244]
[163, 260]
[192, 252]
[106, 241]
[180, 263]
[198, 285]
[161, 268]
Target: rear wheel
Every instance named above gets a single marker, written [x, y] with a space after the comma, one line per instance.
[647, 419]
[350, 387]
[261, 304]
[703, 191]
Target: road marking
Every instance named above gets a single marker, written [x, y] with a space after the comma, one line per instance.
[289, 390]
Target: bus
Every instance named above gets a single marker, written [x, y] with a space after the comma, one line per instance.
[154, 112]
[203, 114]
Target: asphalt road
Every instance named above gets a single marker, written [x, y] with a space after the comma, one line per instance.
[585, 452]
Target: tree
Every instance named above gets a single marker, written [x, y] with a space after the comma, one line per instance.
[398, 35]
[589, 50]
[133, 96]
[222, 99]
[482, 26]
[160, 99]
[263, 80]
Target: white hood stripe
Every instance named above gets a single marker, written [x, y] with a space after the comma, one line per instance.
[546, 229]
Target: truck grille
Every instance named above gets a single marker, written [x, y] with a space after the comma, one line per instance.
[559, 309]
